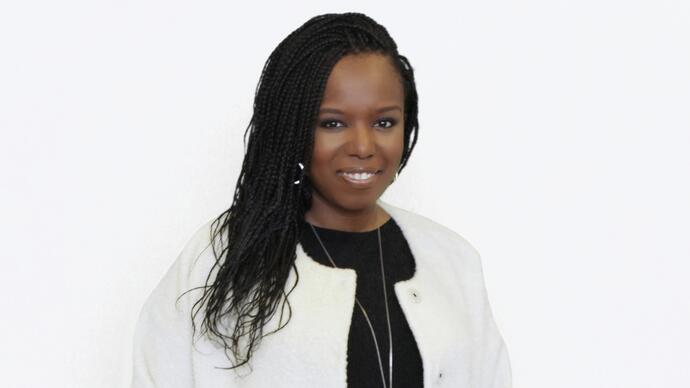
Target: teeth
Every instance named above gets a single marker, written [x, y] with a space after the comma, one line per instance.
[358, 176]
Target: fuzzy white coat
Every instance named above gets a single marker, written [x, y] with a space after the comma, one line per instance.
[445, 304]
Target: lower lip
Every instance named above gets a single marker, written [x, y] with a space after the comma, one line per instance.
[360, 183]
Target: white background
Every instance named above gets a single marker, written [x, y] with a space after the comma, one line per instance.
[555, 137]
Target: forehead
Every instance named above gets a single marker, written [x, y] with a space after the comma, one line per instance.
[362, 81]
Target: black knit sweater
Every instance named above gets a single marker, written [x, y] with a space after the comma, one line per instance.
[360, 251]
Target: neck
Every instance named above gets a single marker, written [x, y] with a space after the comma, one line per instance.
[328, 215]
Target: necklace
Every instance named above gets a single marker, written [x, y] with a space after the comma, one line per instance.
[385, 297]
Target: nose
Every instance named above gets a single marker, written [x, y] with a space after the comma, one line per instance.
[362, 141]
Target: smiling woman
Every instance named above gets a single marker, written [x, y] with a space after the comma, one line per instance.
[375, 295]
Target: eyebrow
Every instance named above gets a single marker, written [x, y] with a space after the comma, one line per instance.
[384, 109]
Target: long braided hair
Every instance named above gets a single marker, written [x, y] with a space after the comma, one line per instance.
[262, 225]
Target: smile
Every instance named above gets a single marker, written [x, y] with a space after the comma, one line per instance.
[359, 178]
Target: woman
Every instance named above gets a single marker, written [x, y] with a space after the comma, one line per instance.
[369, 294]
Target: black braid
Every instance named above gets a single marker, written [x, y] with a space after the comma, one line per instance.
[261, 227]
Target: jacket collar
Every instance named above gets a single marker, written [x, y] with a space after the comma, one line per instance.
[421, 235]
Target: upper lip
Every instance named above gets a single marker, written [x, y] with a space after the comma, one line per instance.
[370, 170]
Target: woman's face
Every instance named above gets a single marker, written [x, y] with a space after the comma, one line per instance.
[360, 127]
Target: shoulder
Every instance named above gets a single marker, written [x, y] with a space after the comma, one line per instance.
[202, 236]
[433, 234]
[412, 220]
[196, 259]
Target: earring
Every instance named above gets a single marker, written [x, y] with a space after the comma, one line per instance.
[301, 174]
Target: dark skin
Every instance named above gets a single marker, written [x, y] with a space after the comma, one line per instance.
[359, 135]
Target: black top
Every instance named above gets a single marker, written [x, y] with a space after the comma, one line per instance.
[360, 251]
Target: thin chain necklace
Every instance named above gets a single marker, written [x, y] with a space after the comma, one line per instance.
[385, 297]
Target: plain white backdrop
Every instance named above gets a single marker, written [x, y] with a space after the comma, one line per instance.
[554, 136]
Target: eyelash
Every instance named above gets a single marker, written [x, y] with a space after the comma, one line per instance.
[392, 121]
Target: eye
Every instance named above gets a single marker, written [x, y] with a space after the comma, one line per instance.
[390, 120]
[327, 123]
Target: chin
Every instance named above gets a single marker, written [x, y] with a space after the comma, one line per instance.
[357, 201]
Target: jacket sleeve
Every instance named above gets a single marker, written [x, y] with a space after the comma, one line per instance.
[162, 351]
[495, 363]
[493, 368]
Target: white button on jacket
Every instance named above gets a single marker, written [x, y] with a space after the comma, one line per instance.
[445, 304]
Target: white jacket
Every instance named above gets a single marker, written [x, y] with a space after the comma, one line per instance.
[445, 304]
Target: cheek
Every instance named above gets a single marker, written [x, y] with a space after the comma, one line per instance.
[326, 143]
[395, 147]
[321, 156]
